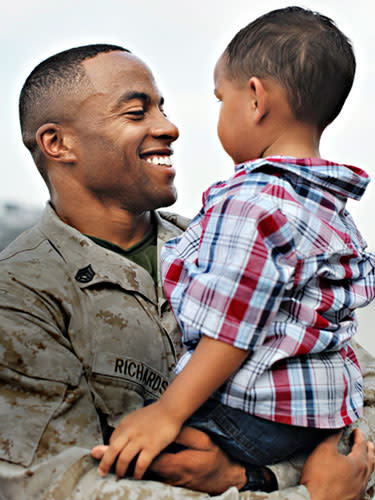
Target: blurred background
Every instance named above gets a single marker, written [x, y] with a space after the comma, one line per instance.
[181, 41]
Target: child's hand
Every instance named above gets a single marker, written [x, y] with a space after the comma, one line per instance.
[145, 433]
[98, 451]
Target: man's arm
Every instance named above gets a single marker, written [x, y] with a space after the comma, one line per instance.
[342, 477]
[73, 474]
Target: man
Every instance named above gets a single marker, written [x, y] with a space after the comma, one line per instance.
[86, 334]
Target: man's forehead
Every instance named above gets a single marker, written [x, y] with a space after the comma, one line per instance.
[118, 69]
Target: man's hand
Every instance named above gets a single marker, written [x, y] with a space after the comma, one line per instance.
[329, 475]
[201, 467]
[142, 434]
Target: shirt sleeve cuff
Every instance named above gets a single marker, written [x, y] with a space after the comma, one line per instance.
[288, 473]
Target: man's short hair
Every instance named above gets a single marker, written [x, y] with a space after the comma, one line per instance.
[59, 75]
[302, 50]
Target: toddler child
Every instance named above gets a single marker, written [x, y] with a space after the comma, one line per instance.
[265, 281]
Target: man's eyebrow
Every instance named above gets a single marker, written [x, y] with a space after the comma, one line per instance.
[134, 94]
[131, 95]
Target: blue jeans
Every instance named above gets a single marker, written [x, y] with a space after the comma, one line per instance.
[253, 440]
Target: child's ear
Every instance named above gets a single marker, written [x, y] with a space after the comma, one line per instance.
[259, 98]
[55, 143]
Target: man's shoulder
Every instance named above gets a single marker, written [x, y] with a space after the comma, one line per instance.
[177, 220]
[29, 245]
[30, 263]
[32, 260]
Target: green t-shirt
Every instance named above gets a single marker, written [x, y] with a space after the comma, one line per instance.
[143, 253]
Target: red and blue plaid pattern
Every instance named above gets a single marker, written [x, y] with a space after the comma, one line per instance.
[274, 264]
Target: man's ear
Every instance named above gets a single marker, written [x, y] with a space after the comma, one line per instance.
[55, 143]
[259, 98]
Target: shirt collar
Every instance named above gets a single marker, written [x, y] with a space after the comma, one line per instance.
[345, 181]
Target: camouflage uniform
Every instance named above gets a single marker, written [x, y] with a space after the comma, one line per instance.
[85, 337]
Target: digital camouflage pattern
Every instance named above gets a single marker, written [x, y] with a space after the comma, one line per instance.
[85, 337]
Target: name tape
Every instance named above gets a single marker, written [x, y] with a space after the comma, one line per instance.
[132, 370]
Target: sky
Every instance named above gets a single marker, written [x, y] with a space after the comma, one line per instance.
[181, 41]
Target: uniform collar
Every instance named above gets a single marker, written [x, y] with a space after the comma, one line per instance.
[91, 264]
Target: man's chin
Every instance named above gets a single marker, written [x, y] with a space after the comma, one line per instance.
[167, 200]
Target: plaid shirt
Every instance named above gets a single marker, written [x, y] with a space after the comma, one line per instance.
[274, 264]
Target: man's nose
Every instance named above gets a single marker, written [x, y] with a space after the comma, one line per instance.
[163, 127]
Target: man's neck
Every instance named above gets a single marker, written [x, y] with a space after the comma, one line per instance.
[113, 224]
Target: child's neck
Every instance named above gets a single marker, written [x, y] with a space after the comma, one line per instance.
[299, 140]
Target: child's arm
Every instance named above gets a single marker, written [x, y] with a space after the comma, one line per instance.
[147, 431]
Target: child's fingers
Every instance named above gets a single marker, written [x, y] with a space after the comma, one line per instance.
[125, 457]
[143, 462]
[98, 451]
[108, 458]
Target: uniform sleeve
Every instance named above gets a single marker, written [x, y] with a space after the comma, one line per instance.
[78, 480]
[47, 418]
[226, 276]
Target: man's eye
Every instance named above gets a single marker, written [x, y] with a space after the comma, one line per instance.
[138, 113]
[163, 112]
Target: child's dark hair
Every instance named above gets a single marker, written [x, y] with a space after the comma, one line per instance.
[305, 52]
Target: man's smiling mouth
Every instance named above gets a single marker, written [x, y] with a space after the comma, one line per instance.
[159, 160]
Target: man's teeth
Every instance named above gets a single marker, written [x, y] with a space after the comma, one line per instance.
[159, 160]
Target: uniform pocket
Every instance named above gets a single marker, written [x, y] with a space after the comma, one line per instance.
[26, 406]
